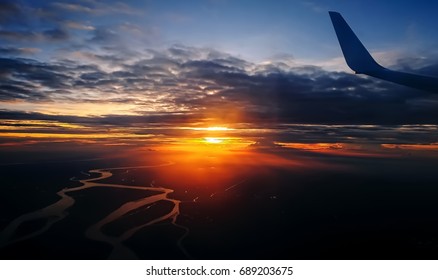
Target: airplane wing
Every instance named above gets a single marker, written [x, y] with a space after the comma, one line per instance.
[359, 60]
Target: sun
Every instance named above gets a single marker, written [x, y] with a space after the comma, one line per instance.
[213, 140]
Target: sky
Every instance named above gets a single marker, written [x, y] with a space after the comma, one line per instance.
[235, 73]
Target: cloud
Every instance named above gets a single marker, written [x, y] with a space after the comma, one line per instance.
[78, 25]
[52, 21]
[49, 35]
[170, 125]
[209, 83]
[19, 35]
[19, 91]
[94, 7]
[18, 51]
[56, 34]
[74, 7]
[25, 79]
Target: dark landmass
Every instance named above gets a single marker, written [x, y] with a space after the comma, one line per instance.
[376, 208]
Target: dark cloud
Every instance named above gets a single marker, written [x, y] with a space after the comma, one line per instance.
[370, 134]
[147, 120]
[19, 91]
[18, 51]
[25, 79]
[93, 76]
[209, 82]
[56, 34]
[19, 35]
[32, 36]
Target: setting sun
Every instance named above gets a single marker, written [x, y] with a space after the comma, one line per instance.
[213, 140]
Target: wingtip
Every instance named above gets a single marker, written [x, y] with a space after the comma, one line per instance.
[356, 55]
[334, 14]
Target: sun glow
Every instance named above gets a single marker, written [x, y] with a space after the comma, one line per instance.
[213, 128]
[213, 140]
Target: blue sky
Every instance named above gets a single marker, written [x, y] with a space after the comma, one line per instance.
[259, 29]
[254, 30]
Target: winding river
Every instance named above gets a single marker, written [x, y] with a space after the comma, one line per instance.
[58, 211]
